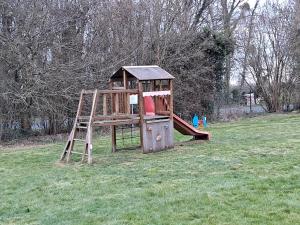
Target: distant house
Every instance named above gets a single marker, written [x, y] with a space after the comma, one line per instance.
[245, 95]
[250, 99]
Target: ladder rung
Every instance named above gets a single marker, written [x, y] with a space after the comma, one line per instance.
[81, 127]
[76, 139]
[83, 117]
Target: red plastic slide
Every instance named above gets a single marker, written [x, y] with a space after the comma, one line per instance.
[187, 129]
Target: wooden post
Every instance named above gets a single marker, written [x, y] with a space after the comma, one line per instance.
[90, 128]
[111, 96]
[161, 108]
[155, 98]
[112, 128]
[117, 103]
[125, 83]
[128, 103]
[94, 105]
[141, 111]
[126, 95]
[104, 104]
[113, 138]
[171, 99]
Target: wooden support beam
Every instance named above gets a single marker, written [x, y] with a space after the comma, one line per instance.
[125, 83]
[104, 104]
[113, 138]
[80, 104]
[163, 112]
[126, 95]
[128, 103]
[111, 96]
[131, 91]
[112, 128]
[171, 99]
[115, 117]
[102, 123]
[90, 128]
[155, 98]
[121, 103]
[141, 111]
[94, 104]
[117, 103]
[119, 88]
[120, 79]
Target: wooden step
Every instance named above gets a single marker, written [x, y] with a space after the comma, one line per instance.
[76, 139]
[83, 122]
[83, 117]
[81, 127]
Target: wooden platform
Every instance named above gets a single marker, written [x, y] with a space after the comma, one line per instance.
[111, 120]
[156, 117]
[116, 122]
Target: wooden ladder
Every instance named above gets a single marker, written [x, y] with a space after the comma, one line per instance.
[78, 125]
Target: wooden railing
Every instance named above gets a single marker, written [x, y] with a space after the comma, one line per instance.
[115, 105]
[111, 104]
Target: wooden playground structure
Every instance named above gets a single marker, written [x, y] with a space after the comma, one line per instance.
[117, 106]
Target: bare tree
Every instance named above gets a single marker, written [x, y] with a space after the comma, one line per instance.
[297, 51]
[270, 56]
[49, 50]
[231, 15]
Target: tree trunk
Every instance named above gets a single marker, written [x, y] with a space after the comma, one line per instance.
[25, 123]
[227, 78]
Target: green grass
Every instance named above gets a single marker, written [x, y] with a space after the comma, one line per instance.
[248, 174]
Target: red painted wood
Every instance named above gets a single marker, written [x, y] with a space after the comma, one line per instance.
[149, 106]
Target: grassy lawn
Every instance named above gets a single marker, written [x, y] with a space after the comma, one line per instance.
[248, 174]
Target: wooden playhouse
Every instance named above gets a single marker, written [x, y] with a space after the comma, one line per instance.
[131, 90]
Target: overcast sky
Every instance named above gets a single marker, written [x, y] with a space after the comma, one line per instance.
[252, 2]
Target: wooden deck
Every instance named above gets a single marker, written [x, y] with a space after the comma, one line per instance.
[156, 117]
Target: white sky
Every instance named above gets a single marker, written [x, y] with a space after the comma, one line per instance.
[252, 2]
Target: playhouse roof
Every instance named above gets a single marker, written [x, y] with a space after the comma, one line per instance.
[144, 73]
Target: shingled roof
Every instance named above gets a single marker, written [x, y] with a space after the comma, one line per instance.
[144, 73]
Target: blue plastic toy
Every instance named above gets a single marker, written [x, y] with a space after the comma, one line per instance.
[204, 121]
[195, 121]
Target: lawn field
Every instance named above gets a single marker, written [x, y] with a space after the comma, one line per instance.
[249, 173]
